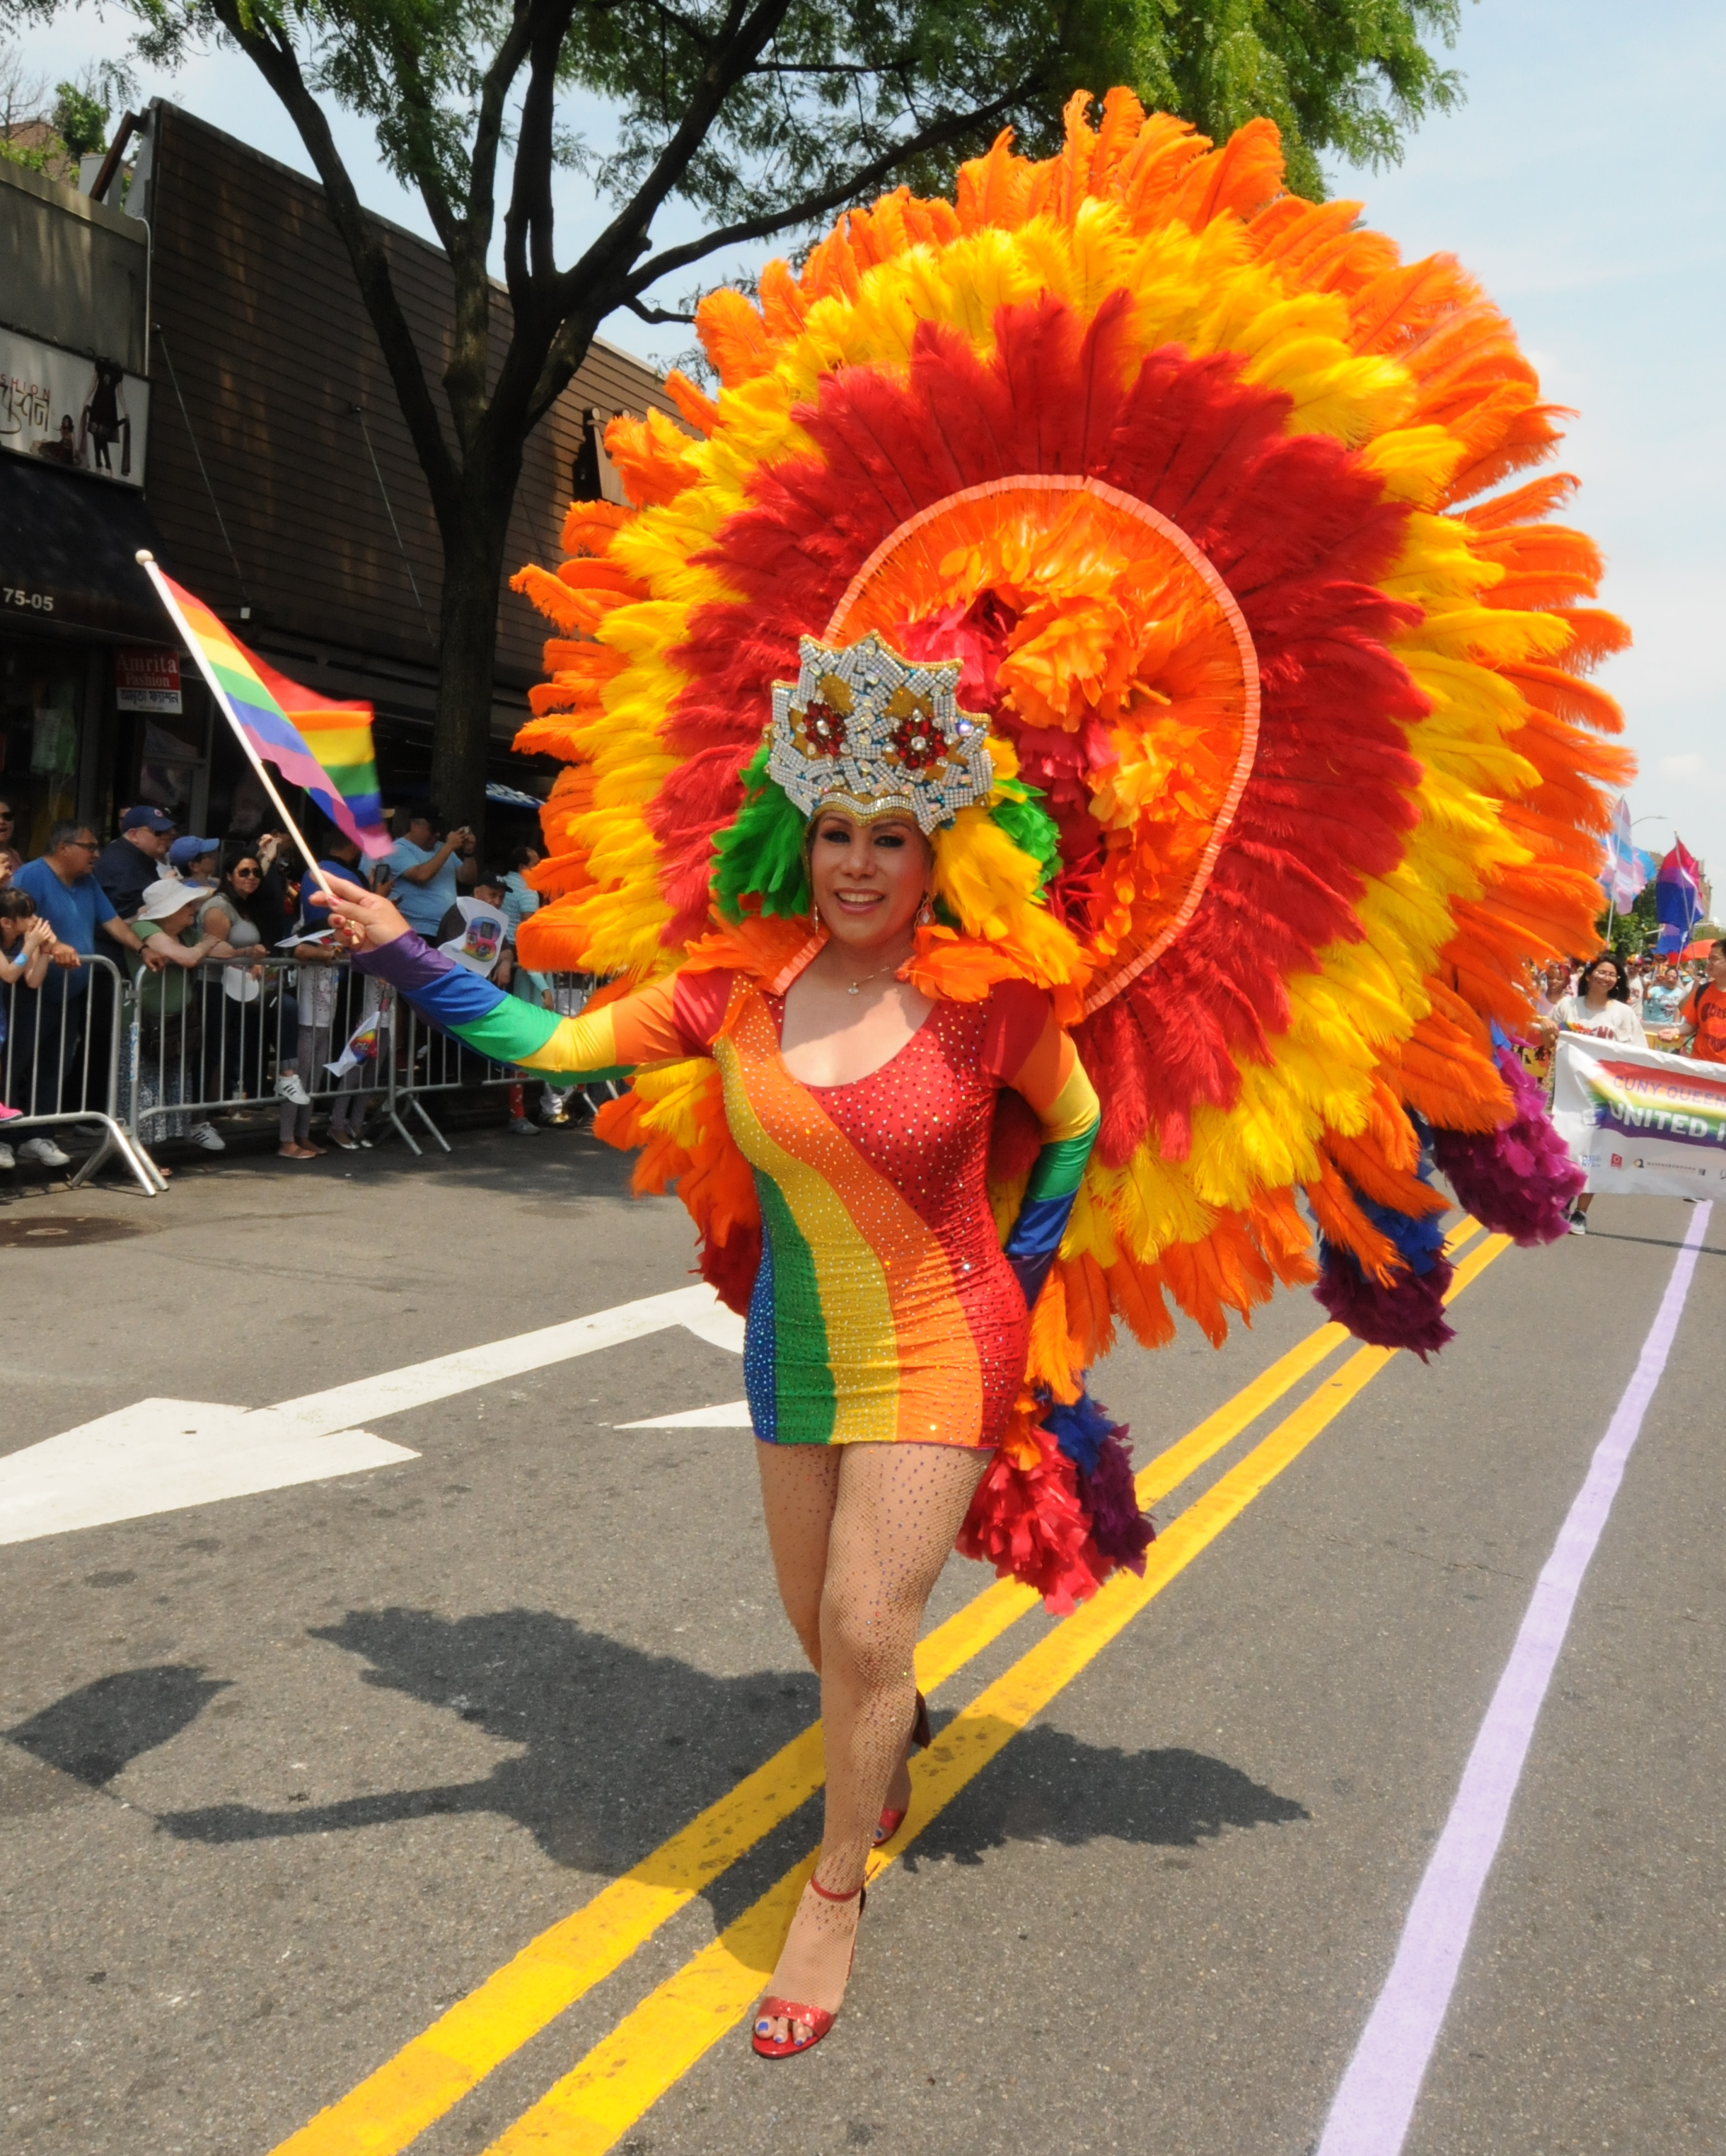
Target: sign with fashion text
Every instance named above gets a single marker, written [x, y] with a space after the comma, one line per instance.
[1642, 1124]
[147, 679]
[87, 414]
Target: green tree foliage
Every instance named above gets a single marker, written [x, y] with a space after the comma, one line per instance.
[80, 119]
[763, 117]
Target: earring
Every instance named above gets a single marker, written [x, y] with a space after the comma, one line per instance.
[925, 912]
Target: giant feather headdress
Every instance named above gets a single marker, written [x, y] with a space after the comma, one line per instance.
[1220, 505]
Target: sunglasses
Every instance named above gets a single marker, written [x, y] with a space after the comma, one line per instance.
[251, 875]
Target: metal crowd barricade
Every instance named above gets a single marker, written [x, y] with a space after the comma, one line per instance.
[60, 1065]
[429, 1061]
[223, 1036]
[145, 1060]
[426, 1060]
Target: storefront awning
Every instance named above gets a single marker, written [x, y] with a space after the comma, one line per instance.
[68, 545]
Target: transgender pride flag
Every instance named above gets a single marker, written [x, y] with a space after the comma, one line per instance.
[314, 742]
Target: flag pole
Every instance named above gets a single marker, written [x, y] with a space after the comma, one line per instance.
[147, 562]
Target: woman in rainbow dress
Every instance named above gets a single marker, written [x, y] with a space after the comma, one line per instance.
[1104, 635]
[889, 1326]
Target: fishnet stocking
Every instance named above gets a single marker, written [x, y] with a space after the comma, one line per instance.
[859, 1534]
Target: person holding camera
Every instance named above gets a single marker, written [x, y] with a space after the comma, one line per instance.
[426, 869]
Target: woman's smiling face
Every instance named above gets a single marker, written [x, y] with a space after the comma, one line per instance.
[868, 878]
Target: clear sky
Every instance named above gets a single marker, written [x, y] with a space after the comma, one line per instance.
[1584, 182]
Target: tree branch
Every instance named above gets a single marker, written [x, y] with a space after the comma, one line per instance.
[934, 137]
[736, 50]
[656, 314]
[276, 61]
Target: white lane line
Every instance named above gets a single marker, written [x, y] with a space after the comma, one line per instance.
[1377, 2100]
[162, 1455]
[729, 1414]
[417, 1383]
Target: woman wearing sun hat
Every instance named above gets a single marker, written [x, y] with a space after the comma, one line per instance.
[170, 1057]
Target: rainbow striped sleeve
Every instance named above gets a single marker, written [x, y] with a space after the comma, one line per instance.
[1027, 1050]
[656, 1025]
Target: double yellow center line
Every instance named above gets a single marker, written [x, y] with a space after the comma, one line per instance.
[591, 2108]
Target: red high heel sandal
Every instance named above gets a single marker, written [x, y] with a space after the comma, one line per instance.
[922, 1737]
[816, 2019]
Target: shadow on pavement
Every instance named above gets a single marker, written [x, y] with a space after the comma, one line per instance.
[1049, 1787]
[619, 1749]
[94, 1733]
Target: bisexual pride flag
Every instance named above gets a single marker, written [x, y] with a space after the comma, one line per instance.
[313, 742]
[1677, 899]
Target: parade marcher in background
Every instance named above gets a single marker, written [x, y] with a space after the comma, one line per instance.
[1602, 1011]
[1703, 1015]
[1662, 1002]
[128, 865]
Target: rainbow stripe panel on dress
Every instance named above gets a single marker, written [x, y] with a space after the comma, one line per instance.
[884, 1311]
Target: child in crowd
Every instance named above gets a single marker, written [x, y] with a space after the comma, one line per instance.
[26, 950]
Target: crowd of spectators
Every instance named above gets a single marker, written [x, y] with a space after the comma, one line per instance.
[196, 923]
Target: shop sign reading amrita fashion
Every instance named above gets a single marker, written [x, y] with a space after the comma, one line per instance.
[85, 414]
[1643, 1124]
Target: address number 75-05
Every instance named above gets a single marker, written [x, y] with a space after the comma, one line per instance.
[15, 595]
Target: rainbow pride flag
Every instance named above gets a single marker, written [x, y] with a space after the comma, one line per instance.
[322, 746]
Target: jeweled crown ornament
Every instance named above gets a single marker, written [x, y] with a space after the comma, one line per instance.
[862, 728]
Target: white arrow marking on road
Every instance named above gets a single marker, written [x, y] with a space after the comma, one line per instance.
[729, 1415]
[163, 1455]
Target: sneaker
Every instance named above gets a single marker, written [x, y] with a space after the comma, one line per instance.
[1578, 1224]
[6, 1114]
[6, 1158]
[206, 1134]
[524, 1127]
[289, 1089]
[44, 1152]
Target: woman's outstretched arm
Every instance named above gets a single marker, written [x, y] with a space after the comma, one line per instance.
[656, 1025]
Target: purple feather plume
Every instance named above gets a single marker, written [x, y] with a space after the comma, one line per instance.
[1409, 1313]
[1121, 1532]
[1519, 1181]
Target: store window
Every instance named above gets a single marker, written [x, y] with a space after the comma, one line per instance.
[172, 764]
[41, 688]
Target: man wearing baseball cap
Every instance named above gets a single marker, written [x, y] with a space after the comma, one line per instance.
[129, 864]
[197, 861]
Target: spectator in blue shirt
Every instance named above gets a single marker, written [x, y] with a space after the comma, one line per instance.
[426, 871]
[75, 906]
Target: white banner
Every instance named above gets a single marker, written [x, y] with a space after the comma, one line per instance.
[89, 414]
[1642, 1124]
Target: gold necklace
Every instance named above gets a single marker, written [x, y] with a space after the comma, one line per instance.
[863, 979]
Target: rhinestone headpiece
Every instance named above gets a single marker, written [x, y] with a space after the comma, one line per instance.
[863, 729]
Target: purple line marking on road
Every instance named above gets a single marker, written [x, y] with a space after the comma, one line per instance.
[1376, 2101]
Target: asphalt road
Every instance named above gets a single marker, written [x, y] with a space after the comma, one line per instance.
[286, 1776]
